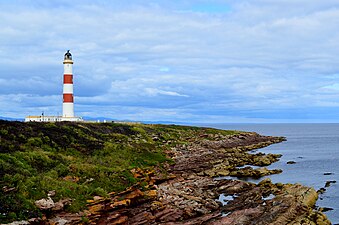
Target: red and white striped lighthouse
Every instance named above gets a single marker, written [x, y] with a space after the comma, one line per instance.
[68, 99]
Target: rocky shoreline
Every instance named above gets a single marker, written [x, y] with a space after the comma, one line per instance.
[186, 192]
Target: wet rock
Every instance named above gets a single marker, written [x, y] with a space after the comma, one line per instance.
[250, 172]
[230, 187]
[291, 162]
[265, 160]
[328, 183]
[279, 185]
[321, 191]
[325, 209]
[327, 174]
[265, 182]
[307, 196]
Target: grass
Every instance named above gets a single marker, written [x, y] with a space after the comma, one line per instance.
[77, 160]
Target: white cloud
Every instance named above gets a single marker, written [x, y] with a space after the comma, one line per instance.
[169, 57]
[155, 92]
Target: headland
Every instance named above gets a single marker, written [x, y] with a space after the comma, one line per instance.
[107, 173]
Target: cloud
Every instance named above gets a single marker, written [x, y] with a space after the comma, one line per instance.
[172, 60]
[155, 92]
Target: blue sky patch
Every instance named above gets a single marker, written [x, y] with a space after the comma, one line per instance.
[211, 8]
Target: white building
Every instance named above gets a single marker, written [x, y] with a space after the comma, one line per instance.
[52, 119]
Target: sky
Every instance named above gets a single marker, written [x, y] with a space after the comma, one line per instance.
[196, 61]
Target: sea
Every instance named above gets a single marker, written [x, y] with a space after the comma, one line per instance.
[314, 148]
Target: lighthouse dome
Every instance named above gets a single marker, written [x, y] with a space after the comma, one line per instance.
[68, 55]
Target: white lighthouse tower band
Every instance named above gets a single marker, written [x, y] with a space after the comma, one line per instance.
[68, 97]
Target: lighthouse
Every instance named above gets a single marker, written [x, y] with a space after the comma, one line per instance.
[68, 98]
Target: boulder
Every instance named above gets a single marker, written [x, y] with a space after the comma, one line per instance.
[45, 203]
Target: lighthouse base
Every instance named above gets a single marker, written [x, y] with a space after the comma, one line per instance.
[43, 118]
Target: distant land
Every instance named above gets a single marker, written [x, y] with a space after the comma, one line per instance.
[102, 119]
[11, 119]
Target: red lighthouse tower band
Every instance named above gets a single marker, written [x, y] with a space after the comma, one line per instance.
[68, 98]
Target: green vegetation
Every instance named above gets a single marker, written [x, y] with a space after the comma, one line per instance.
[78, 160]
